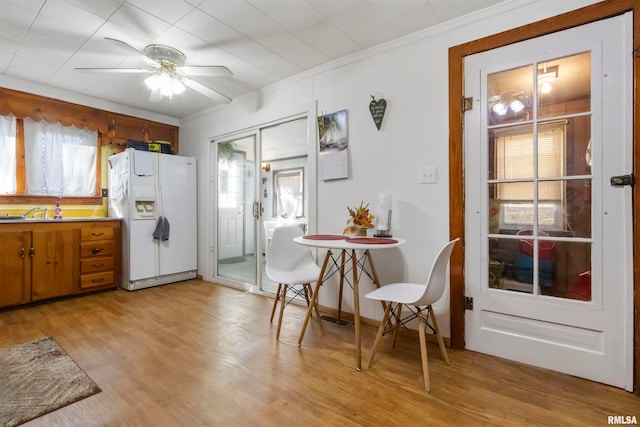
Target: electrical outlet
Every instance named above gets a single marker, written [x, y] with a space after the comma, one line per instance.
[427, 175]
[105, 192]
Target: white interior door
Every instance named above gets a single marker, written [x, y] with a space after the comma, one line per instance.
[548, 239]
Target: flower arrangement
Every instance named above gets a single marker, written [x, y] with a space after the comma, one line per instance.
[360, 220]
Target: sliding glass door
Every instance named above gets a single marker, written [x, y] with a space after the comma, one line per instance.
[263, 181]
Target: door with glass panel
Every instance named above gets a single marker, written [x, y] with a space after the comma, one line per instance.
[548, 238]
[236, 195]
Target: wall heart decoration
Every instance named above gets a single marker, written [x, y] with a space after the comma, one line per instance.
[377, 109]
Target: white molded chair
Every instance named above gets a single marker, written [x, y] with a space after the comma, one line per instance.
[417, 297]
[292, 267]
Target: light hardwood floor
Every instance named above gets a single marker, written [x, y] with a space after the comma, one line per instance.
[200, 354]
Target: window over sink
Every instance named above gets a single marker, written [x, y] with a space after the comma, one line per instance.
[44, 159]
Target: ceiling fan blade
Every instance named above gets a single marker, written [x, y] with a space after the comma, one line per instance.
[115, 70]
[128, 47]
[206, 70]
[207, 91]
[125, 45]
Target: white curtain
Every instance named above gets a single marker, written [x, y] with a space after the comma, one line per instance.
[60, 160]
[7, 154]
[288, 189]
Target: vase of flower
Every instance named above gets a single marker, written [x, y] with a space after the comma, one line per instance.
[359, 222]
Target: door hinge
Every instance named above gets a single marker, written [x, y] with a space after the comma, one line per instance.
[622, 180]
[467, 104]
[468, 303]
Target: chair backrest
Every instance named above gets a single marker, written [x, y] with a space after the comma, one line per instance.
[437, 276]
[283, 252]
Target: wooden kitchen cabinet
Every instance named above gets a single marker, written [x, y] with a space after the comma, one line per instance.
[97, 263]
[162, 132]
[123, 128]
[15, 278]
[42, 260]
[54, 260]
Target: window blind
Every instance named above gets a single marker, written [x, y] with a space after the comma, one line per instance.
[515, 161]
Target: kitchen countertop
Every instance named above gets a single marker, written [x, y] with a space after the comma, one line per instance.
[53, 221]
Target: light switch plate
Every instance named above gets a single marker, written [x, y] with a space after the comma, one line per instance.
[427, 175]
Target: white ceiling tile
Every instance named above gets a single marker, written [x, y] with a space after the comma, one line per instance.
[413, 22]
[59, 19]
[139, 21]
[449, 9]
[294, 50]
[292, 15]
[358, 19]
[17, 14]
[389, 10]
[328, 40]
[206, 27]
[12, 32]
[102, 8]
[233, 13]
[329, 8]
[167, 10]
[32, 5]
[34, 69]
[369, 39]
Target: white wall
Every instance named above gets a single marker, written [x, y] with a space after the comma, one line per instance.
[412, 75]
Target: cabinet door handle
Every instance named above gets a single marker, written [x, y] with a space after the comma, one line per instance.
[97, 234]
[32, 252]
[98, 280]
[97, 265]
[96, 250]
[21, 252]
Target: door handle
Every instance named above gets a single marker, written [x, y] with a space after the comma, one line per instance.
[622, 180]
[256, 210]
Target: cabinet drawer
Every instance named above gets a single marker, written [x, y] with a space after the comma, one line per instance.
[92, 249]
[92, 265]
[96, 233]
[96, 279]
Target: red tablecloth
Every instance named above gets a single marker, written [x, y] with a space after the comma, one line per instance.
[325, 237]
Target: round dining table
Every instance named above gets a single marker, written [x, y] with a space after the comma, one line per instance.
[342, 250]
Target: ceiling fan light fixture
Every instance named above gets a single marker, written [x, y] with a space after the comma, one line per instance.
[153, 82]
[166, 84]
[176, 86]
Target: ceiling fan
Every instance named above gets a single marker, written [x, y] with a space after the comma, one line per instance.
[169, 75]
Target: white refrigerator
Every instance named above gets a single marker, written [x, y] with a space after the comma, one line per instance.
[155, 195]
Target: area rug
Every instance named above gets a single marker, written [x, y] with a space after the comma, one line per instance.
[38, 377]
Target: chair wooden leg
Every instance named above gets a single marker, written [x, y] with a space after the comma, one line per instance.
[383, 324]
[423, 352]
[275, 301]
[443, 349]
[396, 325]
[283, 302]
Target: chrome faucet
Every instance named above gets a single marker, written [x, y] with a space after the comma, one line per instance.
[24, 215]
